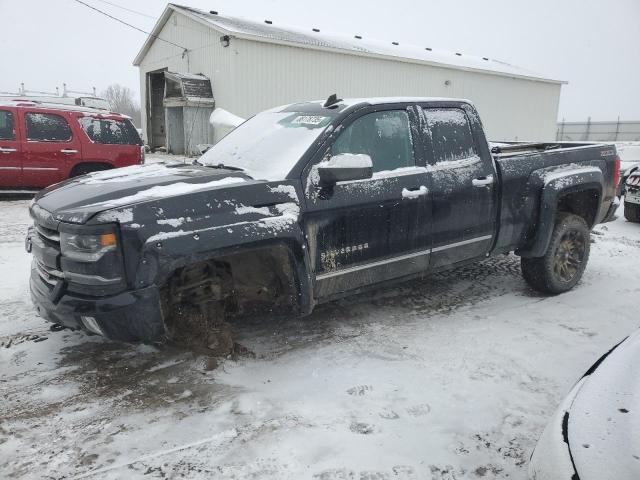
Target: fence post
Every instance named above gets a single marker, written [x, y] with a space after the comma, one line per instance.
[617, 129]
[587, 131]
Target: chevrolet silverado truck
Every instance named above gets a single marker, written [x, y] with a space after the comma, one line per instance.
[310, 202]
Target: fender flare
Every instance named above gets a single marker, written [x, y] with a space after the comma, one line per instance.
[161, 258]
[554, 183]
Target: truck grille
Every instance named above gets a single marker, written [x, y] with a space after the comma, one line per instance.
[49, 275]
[48, 235]
[46, 247]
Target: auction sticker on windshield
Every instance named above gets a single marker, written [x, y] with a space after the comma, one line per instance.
[308, 120]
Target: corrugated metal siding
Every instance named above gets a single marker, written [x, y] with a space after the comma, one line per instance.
[197, 128]
[267, 75]
[250, 76]
[175, 130]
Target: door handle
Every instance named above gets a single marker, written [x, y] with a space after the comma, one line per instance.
[8, 150]
[411, 193]
[482, 181]
[68, 151]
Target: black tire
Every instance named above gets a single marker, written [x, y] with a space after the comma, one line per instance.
[632, 212]
[88, 168]
[564, 262]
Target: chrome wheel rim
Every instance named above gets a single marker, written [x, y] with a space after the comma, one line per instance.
[569, 256]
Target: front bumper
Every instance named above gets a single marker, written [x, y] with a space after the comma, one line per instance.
[130, 316]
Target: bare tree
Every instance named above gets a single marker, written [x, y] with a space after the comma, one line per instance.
[122, 100]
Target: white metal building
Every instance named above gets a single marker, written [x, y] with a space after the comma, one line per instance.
[253, 66]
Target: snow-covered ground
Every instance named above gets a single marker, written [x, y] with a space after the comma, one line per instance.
[628, 151]
[450, 377]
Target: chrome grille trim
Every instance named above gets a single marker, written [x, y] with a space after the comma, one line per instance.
[48, 275]
[48, 234]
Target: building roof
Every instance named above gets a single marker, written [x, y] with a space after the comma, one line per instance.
[340, 43]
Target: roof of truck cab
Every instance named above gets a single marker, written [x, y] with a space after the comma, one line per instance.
[347, 43]
[348, 103]
[30, 104]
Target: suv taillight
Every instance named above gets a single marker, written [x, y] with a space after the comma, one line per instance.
[142, 155]
[616, 171]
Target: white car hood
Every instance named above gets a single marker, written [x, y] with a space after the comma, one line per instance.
[594, 431]
[604, 420]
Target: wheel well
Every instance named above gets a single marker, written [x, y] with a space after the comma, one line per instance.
[254, 281]
[86, 167]
[583, 203]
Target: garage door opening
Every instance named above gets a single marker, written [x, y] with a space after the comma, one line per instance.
[156, 129]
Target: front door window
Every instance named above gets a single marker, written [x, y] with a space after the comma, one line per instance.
[384, 136]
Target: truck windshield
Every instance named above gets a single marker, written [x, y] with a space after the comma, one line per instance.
[268, 145]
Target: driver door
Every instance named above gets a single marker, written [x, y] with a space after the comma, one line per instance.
[363, 232]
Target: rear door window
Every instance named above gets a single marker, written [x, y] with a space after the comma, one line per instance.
[47, 127]
[110, 131]
[450, 133]
[385, 136]
[7, 132]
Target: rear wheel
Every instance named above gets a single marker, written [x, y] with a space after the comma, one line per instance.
[632, 212]
[564, 262]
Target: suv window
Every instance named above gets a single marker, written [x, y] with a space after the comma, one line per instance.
[109, 131]
[47, 127]
[385, 136]
[6, 126]
[450, 134]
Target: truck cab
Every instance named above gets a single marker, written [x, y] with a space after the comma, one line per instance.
[428, 203]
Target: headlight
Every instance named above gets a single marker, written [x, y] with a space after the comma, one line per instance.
[87, 248]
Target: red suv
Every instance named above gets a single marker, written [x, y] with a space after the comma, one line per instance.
[41, 144]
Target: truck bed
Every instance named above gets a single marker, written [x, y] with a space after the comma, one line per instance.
[516, 163]
[503, 149]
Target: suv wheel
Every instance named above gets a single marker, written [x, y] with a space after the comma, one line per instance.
[564, 262]
[632, 212]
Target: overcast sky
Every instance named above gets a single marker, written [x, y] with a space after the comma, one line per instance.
[593, 44]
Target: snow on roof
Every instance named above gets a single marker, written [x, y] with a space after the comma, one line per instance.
[17, 102]
[357, 102]
[349, 44]
[386, 100]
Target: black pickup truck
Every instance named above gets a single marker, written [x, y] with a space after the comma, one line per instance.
[309, 202]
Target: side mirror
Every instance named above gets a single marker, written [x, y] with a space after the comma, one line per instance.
[344, 167]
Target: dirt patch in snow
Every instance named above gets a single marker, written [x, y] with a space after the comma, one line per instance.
[202, 329]
[205, 333]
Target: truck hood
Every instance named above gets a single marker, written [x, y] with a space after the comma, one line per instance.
[78, 199]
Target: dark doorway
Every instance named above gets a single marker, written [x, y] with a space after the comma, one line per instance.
[156, 128]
